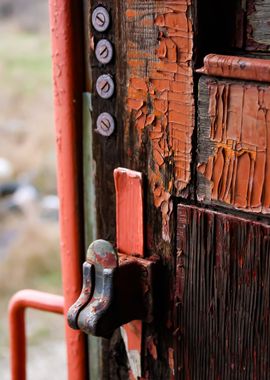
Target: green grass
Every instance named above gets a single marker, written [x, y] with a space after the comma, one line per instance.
[25, 62]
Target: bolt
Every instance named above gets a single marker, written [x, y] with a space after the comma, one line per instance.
[100, 19]
[104, 51]
[105, 124]
[105, 86]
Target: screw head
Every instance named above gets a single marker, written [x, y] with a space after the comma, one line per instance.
[100, 19]
[105, 124]
[104, 51]
[105, 86]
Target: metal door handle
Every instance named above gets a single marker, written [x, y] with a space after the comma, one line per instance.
[117, 289]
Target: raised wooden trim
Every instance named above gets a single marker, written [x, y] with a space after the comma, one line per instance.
[236, 67]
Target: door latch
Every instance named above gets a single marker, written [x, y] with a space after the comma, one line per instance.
[118, 287]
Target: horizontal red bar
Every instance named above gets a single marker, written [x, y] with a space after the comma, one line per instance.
[244, 68]
[19, 302]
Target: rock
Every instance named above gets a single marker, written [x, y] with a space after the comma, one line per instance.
[8, 188]
[24, 195]
[6, 169]
[50, 207]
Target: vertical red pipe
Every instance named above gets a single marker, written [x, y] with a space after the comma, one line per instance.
[66, 22]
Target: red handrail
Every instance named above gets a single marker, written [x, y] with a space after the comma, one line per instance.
[66, 22]
[67, 35]
[19, 302]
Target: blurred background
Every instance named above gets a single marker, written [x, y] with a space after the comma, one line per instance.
[29, 231]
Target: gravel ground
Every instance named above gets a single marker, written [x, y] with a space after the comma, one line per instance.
[46, 361]
[29, 231]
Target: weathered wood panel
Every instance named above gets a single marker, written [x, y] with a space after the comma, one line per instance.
[109, 356]
[160, 89]
[222, 297]
[159, 123]
[154, 111]
[258, 30]
[233, 144]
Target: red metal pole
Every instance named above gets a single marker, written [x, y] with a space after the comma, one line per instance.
[17, 305]
[66, 22]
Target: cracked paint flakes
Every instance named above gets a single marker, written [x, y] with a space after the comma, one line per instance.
[160, 91]
[238, 171]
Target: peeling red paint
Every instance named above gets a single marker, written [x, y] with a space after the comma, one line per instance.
[160, 92]
[238, 171]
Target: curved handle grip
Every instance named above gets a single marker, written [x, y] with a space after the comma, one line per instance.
[112, 294]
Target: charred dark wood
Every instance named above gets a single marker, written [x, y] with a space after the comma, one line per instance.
[257, 30]
[222, 297]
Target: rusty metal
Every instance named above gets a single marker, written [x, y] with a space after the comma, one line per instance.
[85, 296]
[104, 51]
[113, 304]
[100, 19]
[105, 86]
[19, 302]
[105, 124]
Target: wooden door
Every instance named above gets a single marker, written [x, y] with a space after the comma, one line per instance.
[201, 140]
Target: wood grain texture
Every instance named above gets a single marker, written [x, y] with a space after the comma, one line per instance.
[160, 89]
[109, 356]
[233, 144]
[258, 31]
[107, 151]
[154, 110]
[222, 297]
[159, 123]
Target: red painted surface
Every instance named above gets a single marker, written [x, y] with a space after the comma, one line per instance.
[129, 211]
[67, 56]
[236, 67]
[237, 171]
[129, 231]
[160, 102]
[18, 303]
